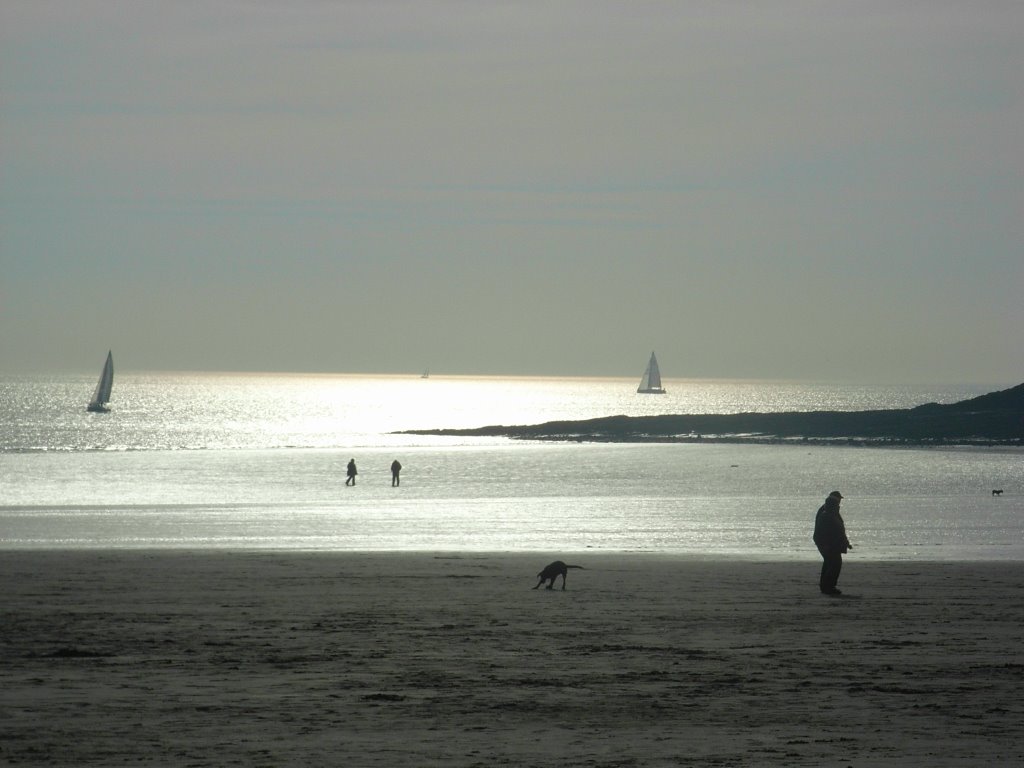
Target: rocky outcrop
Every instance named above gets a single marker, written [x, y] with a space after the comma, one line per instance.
[993, 419]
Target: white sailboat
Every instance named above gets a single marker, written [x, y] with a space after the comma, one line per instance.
[101, 396]
[650, 383]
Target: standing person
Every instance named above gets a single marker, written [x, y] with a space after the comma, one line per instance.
[351, 472]
[830, 539]
[396, 467]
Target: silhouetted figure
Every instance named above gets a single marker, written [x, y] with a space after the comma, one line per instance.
[553, 571]
[351, 472]
[830, 539]
[396, 467]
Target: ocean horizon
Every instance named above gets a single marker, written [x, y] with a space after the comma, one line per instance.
[257, 461]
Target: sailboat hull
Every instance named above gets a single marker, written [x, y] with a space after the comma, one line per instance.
[651, 391]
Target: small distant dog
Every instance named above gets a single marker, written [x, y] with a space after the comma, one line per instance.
[553, 571]
[997, 493]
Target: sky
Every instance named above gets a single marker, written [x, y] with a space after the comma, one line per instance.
[828, 191]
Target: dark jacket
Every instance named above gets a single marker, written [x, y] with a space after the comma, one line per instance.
[830, 530]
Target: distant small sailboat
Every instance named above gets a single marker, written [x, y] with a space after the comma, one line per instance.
[101, 396]
[425, 374]
[650, 383]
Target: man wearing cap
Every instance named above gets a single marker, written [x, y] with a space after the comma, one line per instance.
[830, 539]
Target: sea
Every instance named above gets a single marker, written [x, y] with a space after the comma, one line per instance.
[225, 461]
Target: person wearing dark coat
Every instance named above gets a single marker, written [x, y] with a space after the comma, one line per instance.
[830, 539]
[351, 472]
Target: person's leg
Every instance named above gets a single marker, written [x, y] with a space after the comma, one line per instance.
[830, 571]
[823, 579]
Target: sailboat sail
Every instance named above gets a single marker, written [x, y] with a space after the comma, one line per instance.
[101, 396]
[650, 383]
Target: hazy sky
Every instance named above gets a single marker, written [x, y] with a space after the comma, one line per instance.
[827, 190]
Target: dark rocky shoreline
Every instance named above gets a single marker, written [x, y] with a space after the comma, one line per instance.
[995, 419]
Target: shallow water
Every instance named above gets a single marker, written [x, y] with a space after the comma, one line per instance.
[259, 463]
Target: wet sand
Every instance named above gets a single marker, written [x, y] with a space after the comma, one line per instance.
[285, 659]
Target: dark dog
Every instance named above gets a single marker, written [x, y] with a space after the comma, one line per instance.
[553, 571]
[997, 493]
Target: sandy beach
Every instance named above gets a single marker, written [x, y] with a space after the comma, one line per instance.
[284, 659]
